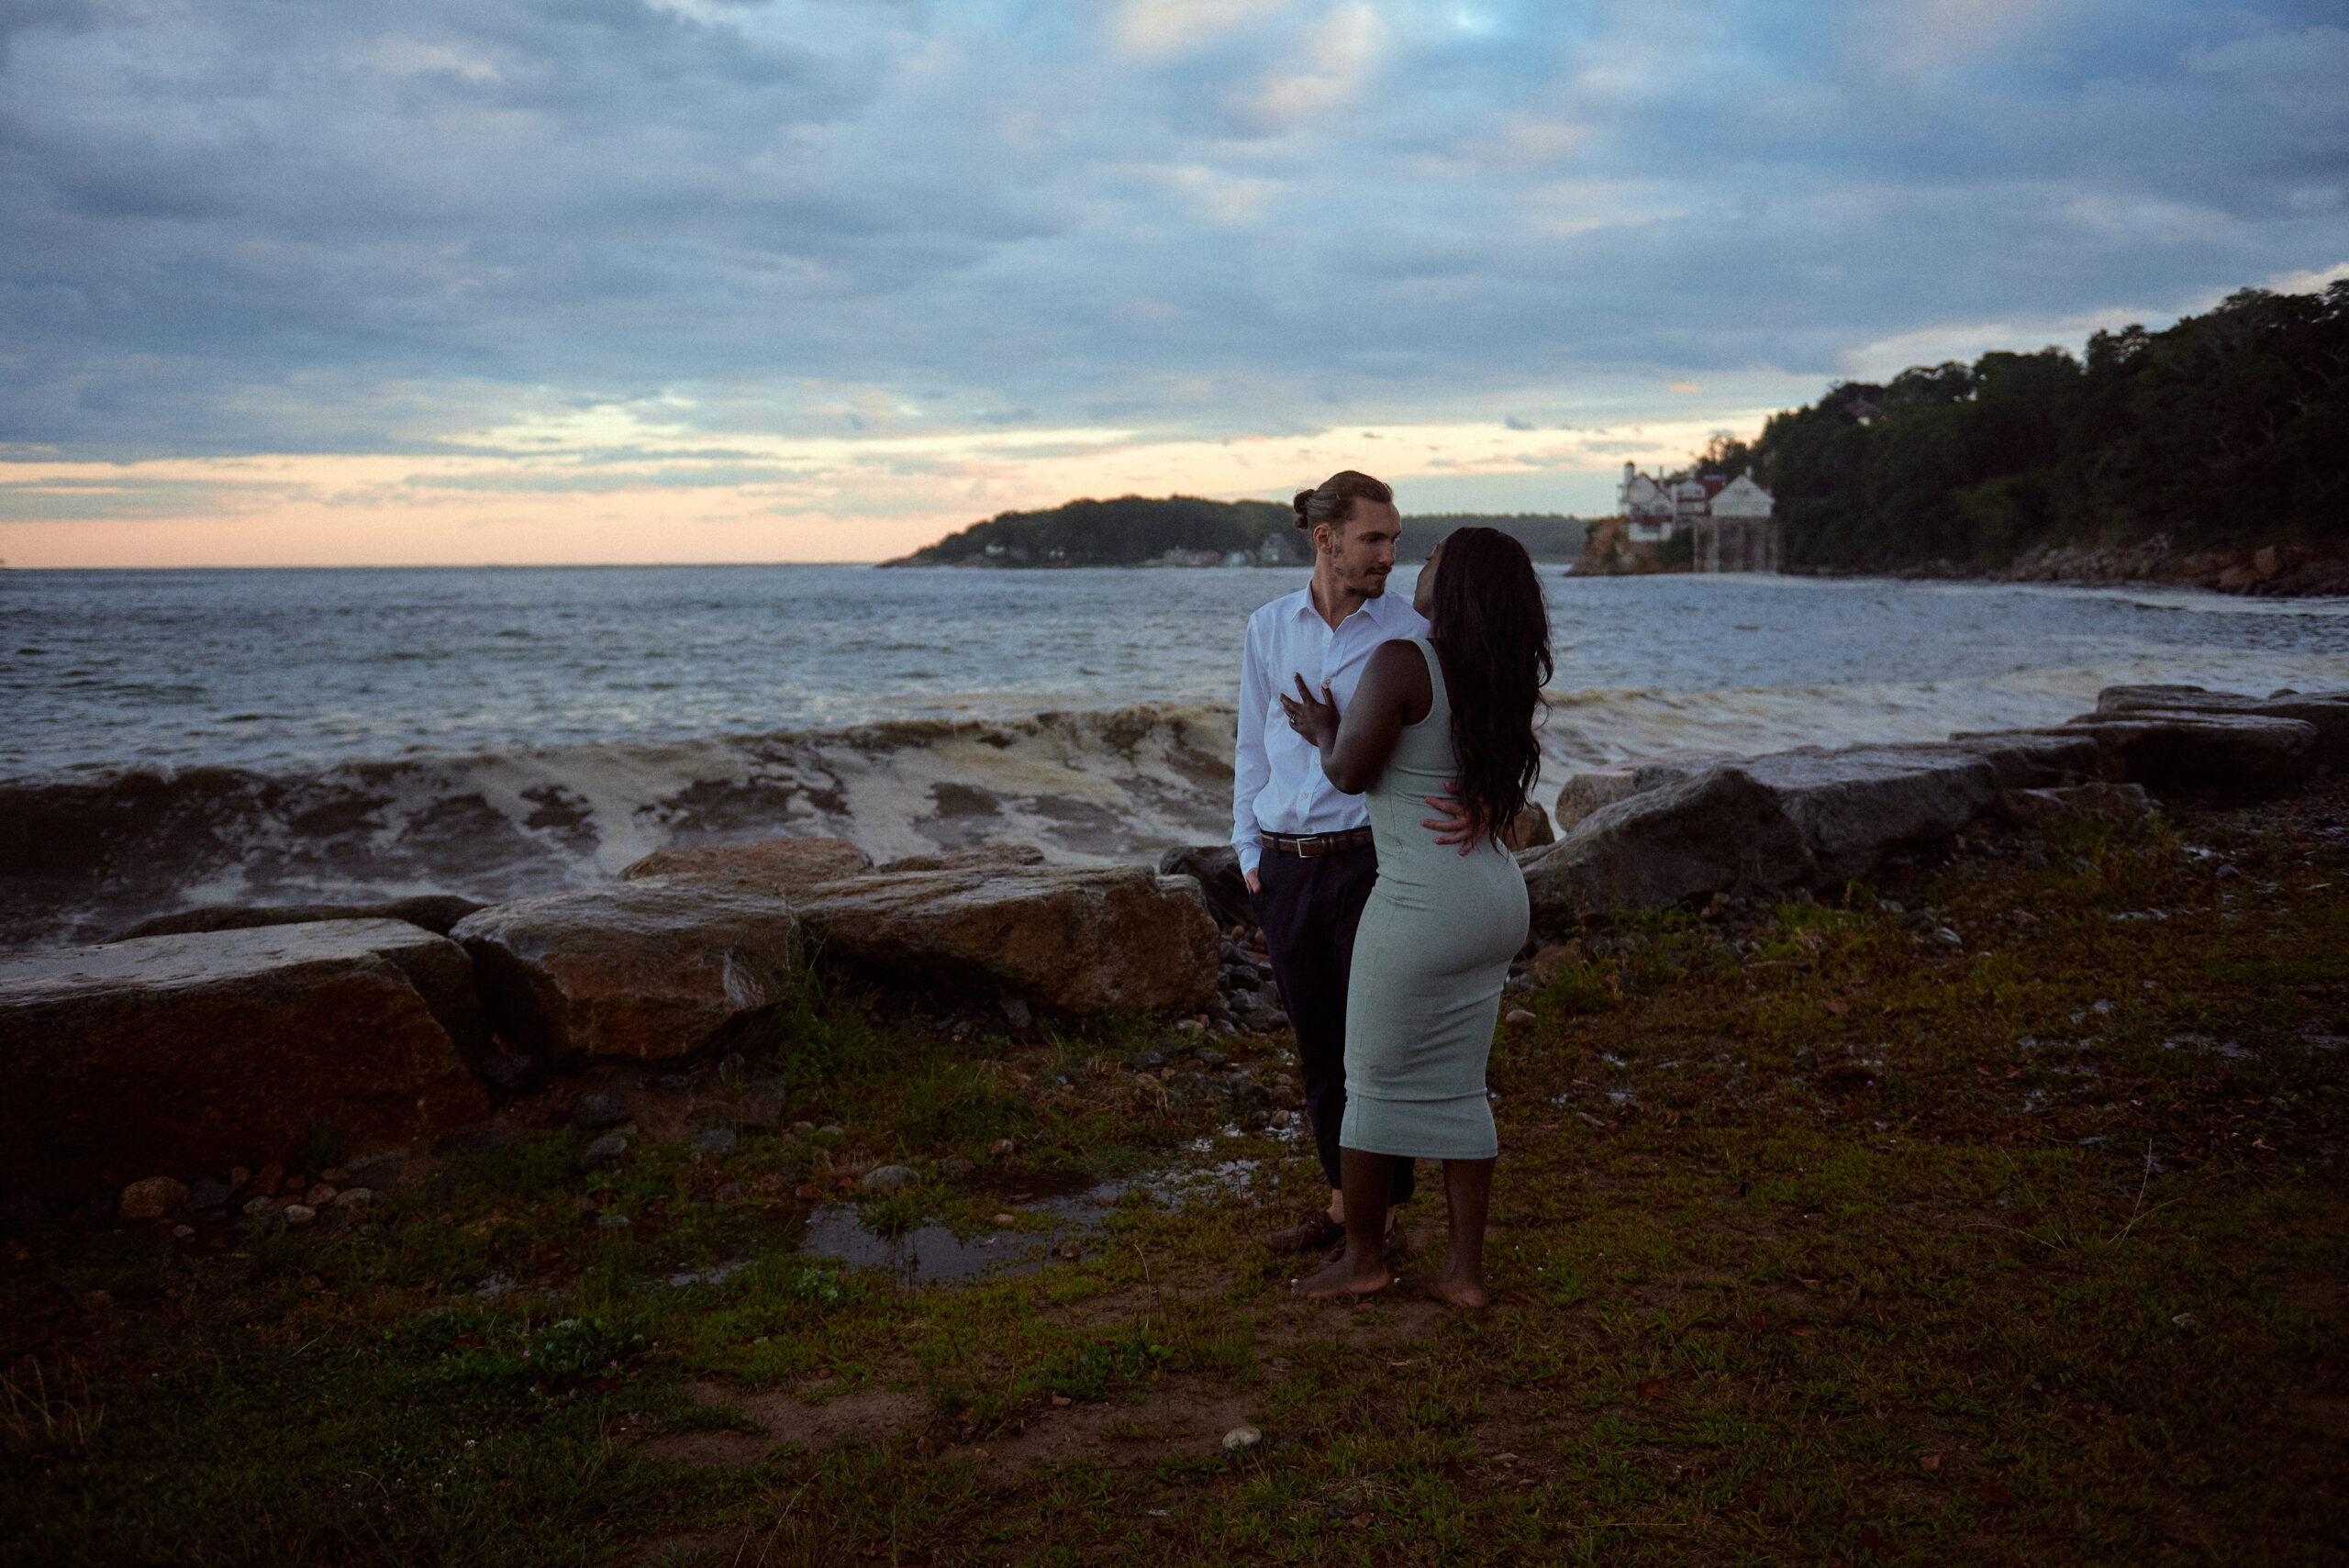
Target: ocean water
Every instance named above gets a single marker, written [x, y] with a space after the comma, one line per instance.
[174, 737]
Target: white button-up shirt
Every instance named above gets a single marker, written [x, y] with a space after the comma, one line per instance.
[1277, 785]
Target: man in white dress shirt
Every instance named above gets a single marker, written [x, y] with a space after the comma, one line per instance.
[1305, 848]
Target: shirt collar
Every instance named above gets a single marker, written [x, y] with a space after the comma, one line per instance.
[1380, 611]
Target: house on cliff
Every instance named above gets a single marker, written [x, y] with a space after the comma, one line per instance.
[1730, 524]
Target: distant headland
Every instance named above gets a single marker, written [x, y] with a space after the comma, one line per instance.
[1187, 530]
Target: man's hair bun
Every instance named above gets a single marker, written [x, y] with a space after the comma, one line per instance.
[1332, 500]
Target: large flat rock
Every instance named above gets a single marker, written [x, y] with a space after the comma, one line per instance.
[2242, 755]
[2327, 712]
[1594, 789]
[648, 971]
[1079, 941]
[783, 866]
[1761, 824]
[183, 1055]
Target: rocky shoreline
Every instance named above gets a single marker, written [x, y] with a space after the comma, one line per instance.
[160, 1071]
[2271, 570]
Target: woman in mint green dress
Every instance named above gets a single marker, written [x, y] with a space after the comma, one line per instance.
[1451, 712]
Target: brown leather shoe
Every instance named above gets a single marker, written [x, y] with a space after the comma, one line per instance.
[1311, 1234]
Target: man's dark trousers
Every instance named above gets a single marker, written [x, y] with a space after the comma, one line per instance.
[1309, 907]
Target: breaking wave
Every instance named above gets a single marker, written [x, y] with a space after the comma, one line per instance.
[82, 858]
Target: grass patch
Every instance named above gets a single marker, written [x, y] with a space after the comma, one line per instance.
[1821, 1235]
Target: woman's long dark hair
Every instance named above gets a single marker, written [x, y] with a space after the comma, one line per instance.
[1493, 630]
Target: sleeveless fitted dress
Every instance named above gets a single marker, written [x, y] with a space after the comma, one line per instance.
[1434, 947]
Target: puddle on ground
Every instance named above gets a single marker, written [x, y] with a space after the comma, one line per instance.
[1076, 1206]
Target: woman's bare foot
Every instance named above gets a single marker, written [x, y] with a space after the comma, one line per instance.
[1445, 1285]
[1341, 1278]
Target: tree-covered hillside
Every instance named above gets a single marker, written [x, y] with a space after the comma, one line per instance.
[1132, 529]
[1546, 536]
[2225, 429]
[1123, 532]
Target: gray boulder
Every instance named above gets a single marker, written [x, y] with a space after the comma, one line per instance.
[1599, 787]
[1720, 831]
[1759, 825]
[648, 971]
[192, 1053]
[1217, 867]
[2327, 711]
[2239, 755]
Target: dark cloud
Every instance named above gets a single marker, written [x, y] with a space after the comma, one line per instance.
[274, 224]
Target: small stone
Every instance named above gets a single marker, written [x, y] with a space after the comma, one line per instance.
[208, 1194]
[1188, 1025]
[1147, 1062]
[239, 1175]
[182, 1232]
[297, 1215]
[1002, 1149]
[319, 1197]
[597, 1111]
[802, 1128]
[260, 1206]
[1241, 1438]
[1071, 1250]
[1017, 1013]
[1210, 1057]
[953, 1167]
[353, 1197]
[336, 1177]
[892, 1179]
[611, 1222]
[731, 1191]
[717, 1140]
[604, 1153]
[152, 1198]
[831, 1129]
[1005, 1219]
[1517, 1017]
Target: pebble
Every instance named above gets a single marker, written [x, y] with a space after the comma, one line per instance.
[1147, 1062]
[1241, 1438]
[1188, 1025]
[209, 1194]
[611, 1222]
[182, 1232]
[892, 1179]
[953, 1166]
[831, 1129]
[1005, 1219]
[1017, 1013]
[802, 1128]
[1002, 1149]
[152, 1198]
[717, 1140]
[299, 1214]
[353, 1197]
[1517, 1017]
[604, 1153]
[321, 1196]
[1208, 1057]
[260, 1206]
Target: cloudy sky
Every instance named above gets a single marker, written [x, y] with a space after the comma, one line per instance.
[695, 280]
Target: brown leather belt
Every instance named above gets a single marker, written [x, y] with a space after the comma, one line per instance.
[1318, 843]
